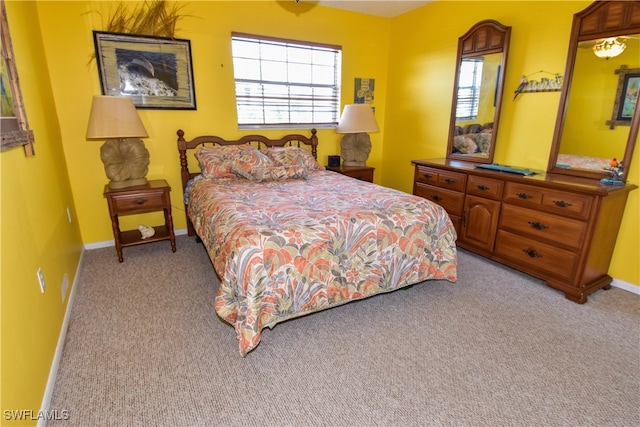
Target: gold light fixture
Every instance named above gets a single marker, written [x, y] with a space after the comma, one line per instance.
[355, 146]
[608, 48]
[125, 158]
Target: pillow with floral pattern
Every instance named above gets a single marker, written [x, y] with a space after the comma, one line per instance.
[293, 156]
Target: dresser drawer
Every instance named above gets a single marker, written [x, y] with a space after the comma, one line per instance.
[139, 202]
[560, 202]
[536, 255]
[452, 201]
[485, 187]
[441, 178]
[564, 231]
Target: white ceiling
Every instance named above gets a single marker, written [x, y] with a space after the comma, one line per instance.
[384, 8]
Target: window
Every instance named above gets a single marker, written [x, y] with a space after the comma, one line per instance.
[285, 83]
[469, 89]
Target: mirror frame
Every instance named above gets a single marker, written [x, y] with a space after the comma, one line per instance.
[484, 38]
[601, 19]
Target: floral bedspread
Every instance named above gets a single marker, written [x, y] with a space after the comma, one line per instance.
[291, 247]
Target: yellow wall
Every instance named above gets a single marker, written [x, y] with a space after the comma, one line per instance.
[35, 230]
[209, 28]
[421, 75]
[412, 58]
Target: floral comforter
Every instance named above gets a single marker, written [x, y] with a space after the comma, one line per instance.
[291, 247]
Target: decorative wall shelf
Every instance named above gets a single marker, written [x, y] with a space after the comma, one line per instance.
[553, 83]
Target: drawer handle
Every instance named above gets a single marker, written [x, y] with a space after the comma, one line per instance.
[561, 203]
[538, 225]
[140, 201]
[427, 176]
[482, 187]
[524, 196]
[532, 253]
[449, 180]
[436, 198]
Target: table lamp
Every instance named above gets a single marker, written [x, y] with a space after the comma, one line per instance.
[125, 158]
[355, 145]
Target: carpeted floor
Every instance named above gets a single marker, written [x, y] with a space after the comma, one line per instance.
[497, 348]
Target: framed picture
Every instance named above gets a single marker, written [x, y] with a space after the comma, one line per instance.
[155, 72]
[626, 96]
[14, 128]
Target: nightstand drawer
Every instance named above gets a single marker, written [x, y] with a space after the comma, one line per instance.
[139, 202]
[362, 175]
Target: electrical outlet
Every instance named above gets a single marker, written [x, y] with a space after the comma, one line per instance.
[41, 280]
[65, 286]
[69, 214]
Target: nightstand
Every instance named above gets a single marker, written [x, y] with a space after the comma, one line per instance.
[363, 173]
[152, 197]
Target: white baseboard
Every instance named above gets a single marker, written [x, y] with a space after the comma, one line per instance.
[53, 372]
[626, 286]
[111, 243]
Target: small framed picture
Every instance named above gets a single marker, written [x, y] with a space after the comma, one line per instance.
[626, 96]
[155, 72]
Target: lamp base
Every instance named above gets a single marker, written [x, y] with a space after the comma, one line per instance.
[355, 149]
[116, 185]
[126, 162]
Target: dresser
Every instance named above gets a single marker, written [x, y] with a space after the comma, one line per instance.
[558, 228]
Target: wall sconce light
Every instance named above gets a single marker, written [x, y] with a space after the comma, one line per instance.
[355, 145]
[608, 48]
[125, 158]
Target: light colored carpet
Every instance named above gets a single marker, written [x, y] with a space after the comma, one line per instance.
[498, 348]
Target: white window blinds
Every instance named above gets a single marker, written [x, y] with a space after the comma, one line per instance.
[469, 89]
[285, 83]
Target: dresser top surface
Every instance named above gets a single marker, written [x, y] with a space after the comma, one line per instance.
[540, 178]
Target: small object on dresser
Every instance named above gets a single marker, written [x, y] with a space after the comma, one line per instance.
[616, 170]
[146, 231]
[334, 161]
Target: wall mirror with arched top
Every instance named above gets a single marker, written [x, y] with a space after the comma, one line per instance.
[598, 117]
[477, 92]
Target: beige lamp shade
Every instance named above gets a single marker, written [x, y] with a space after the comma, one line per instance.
[357, 118]
[114, 117]
[355, 122]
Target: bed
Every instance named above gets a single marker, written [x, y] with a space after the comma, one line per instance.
[472, 139]
[288, 238]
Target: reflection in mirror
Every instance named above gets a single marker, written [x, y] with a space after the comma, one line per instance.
[598, 119]
[480, 69]
[590, 138]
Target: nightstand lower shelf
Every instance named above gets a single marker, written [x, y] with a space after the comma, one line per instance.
[132, 237]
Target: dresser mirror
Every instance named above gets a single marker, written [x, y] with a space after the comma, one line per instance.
[477, 92]
[598, 116]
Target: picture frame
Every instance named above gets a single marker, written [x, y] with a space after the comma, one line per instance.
[14, 127]
[626, 97]
[155, 72]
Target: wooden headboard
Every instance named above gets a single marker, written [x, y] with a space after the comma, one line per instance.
[291, 140]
